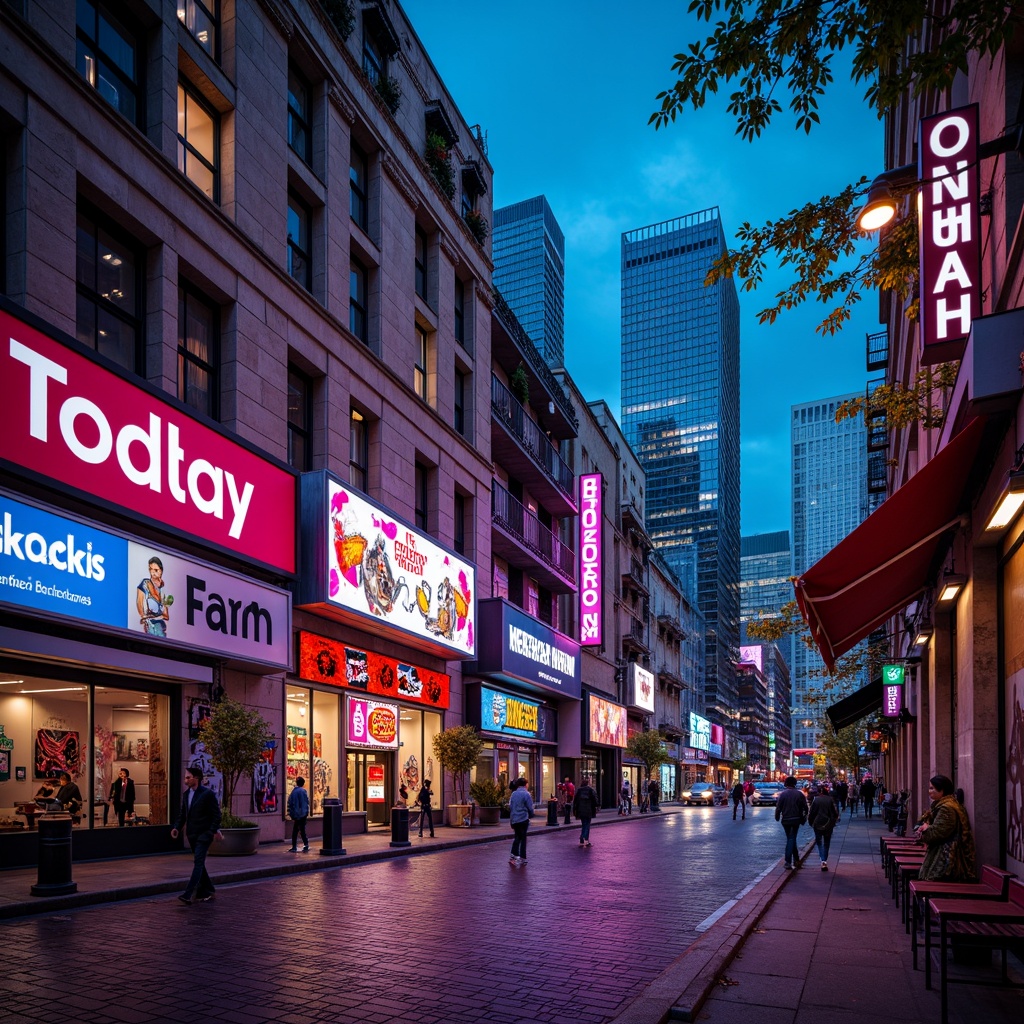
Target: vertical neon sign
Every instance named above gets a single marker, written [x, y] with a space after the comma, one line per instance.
[590, 560]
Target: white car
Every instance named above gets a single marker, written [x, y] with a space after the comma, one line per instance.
[765, 793]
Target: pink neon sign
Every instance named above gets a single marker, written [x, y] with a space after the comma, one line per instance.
[590, 560]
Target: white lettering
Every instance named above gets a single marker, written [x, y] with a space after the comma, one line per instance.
[961, 313]
[955, 185]
[174, 457]
[69, 413]
[952, 269]
[213, 505]
[963, 135]
[239, 504]
[132, 434]
[951, 226]
[40, 370]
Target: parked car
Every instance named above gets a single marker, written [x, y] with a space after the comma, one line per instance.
[765, 793]
[706, 794]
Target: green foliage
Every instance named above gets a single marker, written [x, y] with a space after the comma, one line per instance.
[842, 748]
[457, 750]
[478, 225]
[342, 15]
[235, 737]
[519, 385]
[228, 820]
[439, 161]
[389, 91]
[768, 48]
[488, 792]
[647, 748]
[902, 404]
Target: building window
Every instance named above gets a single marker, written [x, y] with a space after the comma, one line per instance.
[300, 420]
[200, 17]
[460, 402]
[299, 264]
[421, 263]
[358, 187]
[460, 312]
[459, 532]
[107, 57]
[109, 287]
[198, 141]
[300, 136]
[357, 294]
[420, 368]
[358, 451]
[374, 62]
[421, 482]
[198, 351]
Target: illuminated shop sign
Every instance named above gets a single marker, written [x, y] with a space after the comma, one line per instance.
[501, 712]
[894, 675]
[691, 755]
[642, 688]
[752, 653]
[372, 723]
[950, 247]
[366, 564]
[323, 660]
[515, 645]
[67, 418]
[892, 700]
[606, 722]
[54, 565]
[700, 732]
[590, 560]
[717, 745]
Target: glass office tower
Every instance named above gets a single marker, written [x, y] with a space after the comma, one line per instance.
[830, 499]
[681, 414]
[766, 565]
[528, 248]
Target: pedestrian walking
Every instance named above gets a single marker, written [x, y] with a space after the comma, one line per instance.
[584, 807]
[199, 817]
[626, 796]
[853, 798]
[867, 795]
[520, 805]
[122, 795]
[748, 791]
[791, 810]
[298, 811]
[842, 791]
[423, 799]
[653, 789]
[823, 815]
[739, 800]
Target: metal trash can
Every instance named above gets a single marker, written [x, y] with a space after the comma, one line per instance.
[332, 828]
[54, 856]
[552, 812]
[400, 827]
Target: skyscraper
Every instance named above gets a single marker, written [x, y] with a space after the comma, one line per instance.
[766, 564]
[529, 270]
[830, 498]
[681, 414]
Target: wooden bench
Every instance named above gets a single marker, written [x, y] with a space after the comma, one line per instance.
[994, 885]
[983, 924]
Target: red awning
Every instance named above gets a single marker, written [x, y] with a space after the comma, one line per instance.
[884, 564]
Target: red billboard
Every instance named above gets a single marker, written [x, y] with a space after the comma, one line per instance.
[67, 418]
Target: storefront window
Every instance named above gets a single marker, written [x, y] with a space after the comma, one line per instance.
[91, 731]
[326, 749]
[550, 779]
[298, 739]
[416, 762]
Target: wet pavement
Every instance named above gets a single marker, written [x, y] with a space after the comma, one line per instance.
[684, 915]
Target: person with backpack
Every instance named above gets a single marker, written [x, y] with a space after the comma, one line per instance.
[626, 795]
[791, 810]
[423, 799]
[823, 816]
[584, 807]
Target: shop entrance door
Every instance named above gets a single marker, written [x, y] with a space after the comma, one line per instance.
[371, 772]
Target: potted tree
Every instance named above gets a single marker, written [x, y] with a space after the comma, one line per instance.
[489, 795]
[235, 737]
[457, 750]
[648, 749]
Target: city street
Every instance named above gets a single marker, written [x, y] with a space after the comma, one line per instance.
[459, 936]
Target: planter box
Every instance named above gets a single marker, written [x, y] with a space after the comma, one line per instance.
[488, 815]
[237, 842]
[457, 813]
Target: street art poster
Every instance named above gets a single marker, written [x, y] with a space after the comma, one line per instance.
[264, 780]
[57, 750]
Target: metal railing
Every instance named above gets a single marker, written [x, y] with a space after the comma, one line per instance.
[518, 521]
[509, 410]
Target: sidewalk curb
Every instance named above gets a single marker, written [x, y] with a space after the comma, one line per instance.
[682, 988]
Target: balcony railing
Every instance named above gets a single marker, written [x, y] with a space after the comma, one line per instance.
[518, 521]
[637, 574]
[878, 350]
[508, 409]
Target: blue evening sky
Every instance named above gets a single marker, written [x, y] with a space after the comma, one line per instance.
[563, 90]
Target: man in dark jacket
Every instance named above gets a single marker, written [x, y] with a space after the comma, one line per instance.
[584, 807]
[867, 794]
[739, 800]
[200, 818]
[791, 810]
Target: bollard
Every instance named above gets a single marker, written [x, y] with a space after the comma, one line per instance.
[332, 828]
[552, 812]
[568, 812]
[54, 856]
[400, 827]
